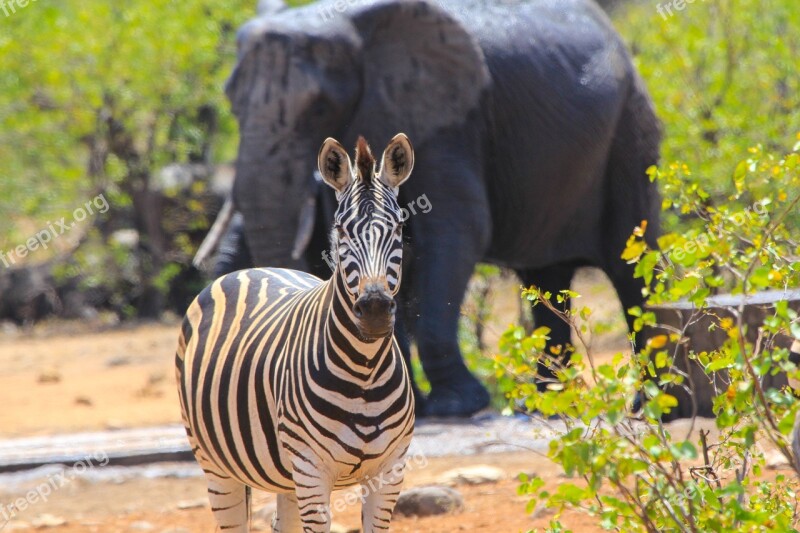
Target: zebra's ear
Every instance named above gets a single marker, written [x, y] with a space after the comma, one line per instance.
[334, 164]
[398, 161]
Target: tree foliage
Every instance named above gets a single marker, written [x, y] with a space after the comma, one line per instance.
[723, 75]
[91, 90]
[96, 96]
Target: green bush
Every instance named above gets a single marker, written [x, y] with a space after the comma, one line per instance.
[636, 475]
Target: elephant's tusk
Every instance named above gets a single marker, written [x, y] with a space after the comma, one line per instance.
[305, 227]
[212, 240]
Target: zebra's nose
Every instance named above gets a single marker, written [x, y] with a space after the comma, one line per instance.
[374, 306]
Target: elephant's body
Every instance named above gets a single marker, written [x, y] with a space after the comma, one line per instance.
[532, 136]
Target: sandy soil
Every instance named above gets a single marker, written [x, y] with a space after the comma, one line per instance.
[59, 378]
[178, 505]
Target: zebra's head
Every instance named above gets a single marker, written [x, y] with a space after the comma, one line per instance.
[367, 234]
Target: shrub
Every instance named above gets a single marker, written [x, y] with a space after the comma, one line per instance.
[636, 474]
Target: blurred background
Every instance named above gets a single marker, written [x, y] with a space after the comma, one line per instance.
[116, 153]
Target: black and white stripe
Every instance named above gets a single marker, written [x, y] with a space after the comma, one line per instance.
[280, 388]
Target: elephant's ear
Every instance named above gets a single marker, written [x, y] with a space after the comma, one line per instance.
[334, 165]
[398, 161]
[246, 83]
[423, 70]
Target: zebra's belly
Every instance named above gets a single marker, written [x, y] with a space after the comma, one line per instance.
[346, 454]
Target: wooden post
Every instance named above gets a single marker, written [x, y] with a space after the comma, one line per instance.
[703, 334]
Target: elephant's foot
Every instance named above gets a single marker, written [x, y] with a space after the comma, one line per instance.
[460, 395]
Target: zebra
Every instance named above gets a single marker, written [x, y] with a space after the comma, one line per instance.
[297, 386]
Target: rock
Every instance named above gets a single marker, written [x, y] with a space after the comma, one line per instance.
[473, 475]
[192, 504]
[176, 530]
[47, 520]
[775, 460]
[141, 525]
[339, 528]
[118, 360]
[49, 375]
[151, 388]
[428, 501]
[83, 400]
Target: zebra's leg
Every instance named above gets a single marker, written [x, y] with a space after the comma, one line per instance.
[382, 492]
[230, 503]
[307, 510]
[287, 517]
[313, 502]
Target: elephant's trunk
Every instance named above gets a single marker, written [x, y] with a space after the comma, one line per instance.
[274, 189]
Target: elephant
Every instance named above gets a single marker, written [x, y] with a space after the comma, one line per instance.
[532, 130]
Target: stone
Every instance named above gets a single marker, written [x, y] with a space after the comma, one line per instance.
[473, 475]
[118, 360]
[49, 375]
[775, 460]
[141, 525]
[83, 400]
[429, 501]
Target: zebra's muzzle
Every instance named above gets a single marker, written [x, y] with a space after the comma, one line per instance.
[374, 311]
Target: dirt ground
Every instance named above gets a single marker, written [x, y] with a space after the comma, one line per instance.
[60, 378]
[180, 505]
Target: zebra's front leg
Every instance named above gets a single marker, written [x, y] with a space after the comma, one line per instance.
[230, 503]
[287, 517]
[308, 509]
[381, 496]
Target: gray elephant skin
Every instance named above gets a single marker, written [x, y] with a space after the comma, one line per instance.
[532, 133]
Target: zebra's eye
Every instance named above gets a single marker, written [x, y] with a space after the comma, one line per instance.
[398, 229]
[340, 233]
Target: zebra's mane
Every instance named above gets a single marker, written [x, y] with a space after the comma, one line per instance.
[365, 162]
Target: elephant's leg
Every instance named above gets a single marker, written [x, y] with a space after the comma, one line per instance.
[551, 279]
[230, 503]
[442, 278]
[631, 197]
[629, 292]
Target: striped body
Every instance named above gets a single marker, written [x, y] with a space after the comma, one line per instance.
[281, 390]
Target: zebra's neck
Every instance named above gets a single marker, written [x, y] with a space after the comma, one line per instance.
[345, 350]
